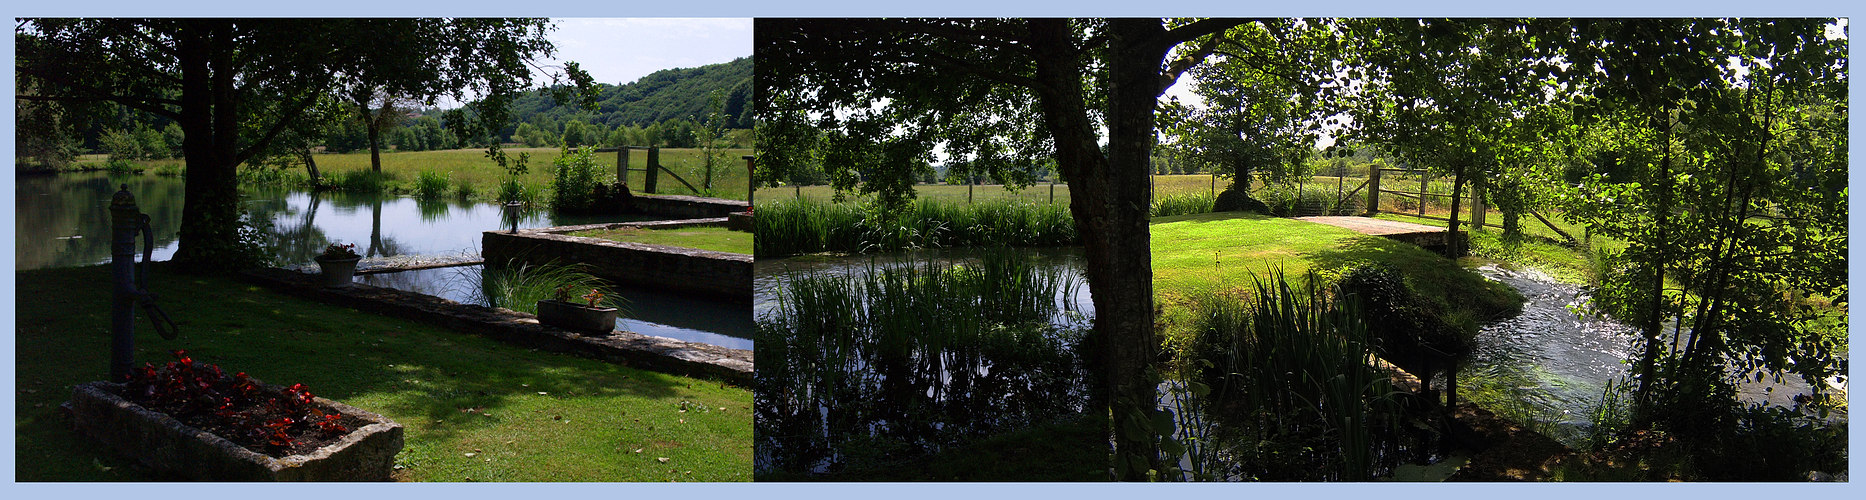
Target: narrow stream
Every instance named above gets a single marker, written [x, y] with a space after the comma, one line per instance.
[1558, 356]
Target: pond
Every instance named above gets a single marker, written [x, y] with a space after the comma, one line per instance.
[1557, 358]
[872, 359]
[64, 221]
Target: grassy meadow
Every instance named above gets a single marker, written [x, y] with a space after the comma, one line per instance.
[472, 168]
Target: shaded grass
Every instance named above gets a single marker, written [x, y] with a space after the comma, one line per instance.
[531, 416]
[715, 238]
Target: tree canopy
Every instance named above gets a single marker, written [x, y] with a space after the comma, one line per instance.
[236, 85]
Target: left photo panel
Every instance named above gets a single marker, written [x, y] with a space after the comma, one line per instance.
[412, 249]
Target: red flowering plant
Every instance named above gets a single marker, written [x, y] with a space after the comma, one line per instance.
[235, 407]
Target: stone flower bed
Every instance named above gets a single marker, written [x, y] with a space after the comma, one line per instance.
[213, 427]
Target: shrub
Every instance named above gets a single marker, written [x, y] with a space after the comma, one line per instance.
[576, 181]
[1233, 200]
[430, 184]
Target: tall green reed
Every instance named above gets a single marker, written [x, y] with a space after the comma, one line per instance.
[910, 357]
[1289, 383]
[519, 286]
[799, 226]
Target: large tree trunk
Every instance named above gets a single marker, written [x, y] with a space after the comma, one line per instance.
[210, 211]
[1109, 199]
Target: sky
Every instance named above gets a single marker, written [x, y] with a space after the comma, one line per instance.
[621, 50]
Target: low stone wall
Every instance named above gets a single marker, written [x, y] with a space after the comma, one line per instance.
[513, 327]
[162, 443]
[684, 270]
[686, 207]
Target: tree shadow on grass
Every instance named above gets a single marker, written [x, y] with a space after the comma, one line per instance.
[416, 371]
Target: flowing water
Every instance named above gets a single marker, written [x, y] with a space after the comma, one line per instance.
[64, 221]
[1558, 356]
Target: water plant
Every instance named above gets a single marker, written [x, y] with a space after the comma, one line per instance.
[576, 183]
[908, 358]
[363, 181]
[801, 225]
[519, 286]
[430, 184]
[1287, 379]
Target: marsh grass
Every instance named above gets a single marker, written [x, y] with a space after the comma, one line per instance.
[519, 287]
[910, 358]
[799, 226]
[431, 185]
[1287, 383]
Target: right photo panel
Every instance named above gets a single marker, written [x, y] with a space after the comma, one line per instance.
[1301, 249]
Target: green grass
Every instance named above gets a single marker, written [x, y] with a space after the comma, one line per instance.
[525, 415]
[798, 226]
[470, 166]
[1219, 253]
[713, 238]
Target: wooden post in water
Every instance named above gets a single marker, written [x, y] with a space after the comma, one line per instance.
[654, 167]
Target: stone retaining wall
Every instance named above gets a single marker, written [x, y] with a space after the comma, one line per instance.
[658, 267]
[686, 207]
[632, 349]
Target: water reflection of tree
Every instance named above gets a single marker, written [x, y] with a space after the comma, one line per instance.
[64, 221]
[298, 242]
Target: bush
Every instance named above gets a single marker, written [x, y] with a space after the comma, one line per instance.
[576, 181]
[1234, 200]
[119, 166]
[430, 184]
[1405, 329]
[363, 181]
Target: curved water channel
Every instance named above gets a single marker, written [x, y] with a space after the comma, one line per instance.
[64, 221]
[1558, 356]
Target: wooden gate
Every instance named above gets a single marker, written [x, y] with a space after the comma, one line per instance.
[1474, 195]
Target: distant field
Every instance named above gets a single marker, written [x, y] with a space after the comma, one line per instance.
[471, 165]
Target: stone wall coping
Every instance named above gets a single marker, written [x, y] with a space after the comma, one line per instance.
[633, 349]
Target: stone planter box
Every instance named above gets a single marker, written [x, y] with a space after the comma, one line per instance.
[162, 443]
[577, 317]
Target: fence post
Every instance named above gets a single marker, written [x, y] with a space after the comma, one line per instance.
[1373, 189]
[1478, 208]
[1423, 181]
[622, 165]
[653, 168]
[750, 183]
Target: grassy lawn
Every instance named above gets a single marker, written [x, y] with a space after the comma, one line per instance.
[1221, 252]
[471, 166]
[474, 409]
[715, 238]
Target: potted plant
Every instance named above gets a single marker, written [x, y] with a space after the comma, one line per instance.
[338, 263]
[590, 316]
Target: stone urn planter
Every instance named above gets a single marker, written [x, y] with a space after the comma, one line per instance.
[577, 317]
[337, 264]
[160, 442]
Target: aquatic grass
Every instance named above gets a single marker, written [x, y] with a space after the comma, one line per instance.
[519, 287]
[431, 185]
[363, 181]
[1182, 204]
[802, 225]
[908, 358]
[464, 190]
[1290, 385]
[169, 170]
